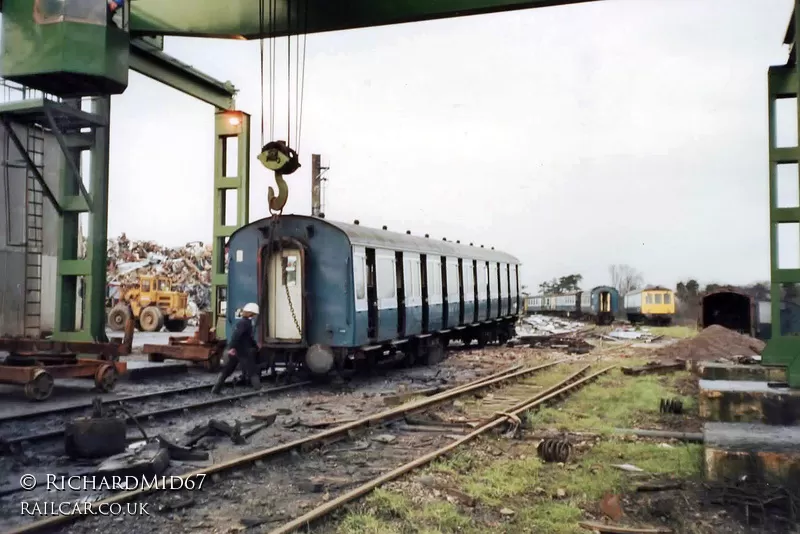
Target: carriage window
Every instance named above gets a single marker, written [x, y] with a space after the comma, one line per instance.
[358, 277]
[290, 270]
[163, 285]
[437, 282]
[667, 298]
[452, 280]
[146, 285]
[416, 288]
[658, 298]
[648, 299]
[386, 286]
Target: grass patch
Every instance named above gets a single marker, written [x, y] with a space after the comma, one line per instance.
[613, 401]
[365, 523]
[499, 481]
[389, 504]
[441, 516]
[679, 332]
[387, 511]
[521, 482]
[550, 516]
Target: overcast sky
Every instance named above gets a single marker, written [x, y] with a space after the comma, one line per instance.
[623, 131]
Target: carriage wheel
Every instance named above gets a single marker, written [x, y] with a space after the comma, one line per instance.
[40, 387]
[105, 377]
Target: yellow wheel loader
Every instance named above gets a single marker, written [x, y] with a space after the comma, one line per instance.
[153, 304]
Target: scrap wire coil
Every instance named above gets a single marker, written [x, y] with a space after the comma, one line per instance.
[674, 406]
[554, 450]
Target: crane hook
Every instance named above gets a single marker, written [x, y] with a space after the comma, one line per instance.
[282, 160]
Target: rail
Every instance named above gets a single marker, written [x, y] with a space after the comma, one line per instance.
[327, 436]
[559, 389]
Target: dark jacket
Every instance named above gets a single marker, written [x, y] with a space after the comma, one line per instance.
[243, 339]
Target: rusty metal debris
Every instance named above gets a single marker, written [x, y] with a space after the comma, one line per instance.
[673, 406]
[554, 450]
[202, 348]
[36, 363]
[611, 506]
[758, 501]
[620, 529]
[188, 268]
[660, 486]
[102, 434]
[215, 427]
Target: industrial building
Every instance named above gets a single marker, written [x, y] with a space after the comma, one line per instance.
[29, 230]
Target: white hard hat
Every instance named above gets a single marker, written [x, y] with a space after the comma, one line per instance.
[251, 307]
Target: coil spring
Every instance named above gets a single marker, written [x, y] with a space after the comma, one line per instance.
[674, 406]
[554, 450]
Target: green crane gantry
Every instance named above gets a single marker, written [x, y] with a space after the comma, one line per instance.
[69, 48]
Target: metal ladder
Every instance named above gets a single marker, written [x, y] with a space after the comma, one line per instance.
[34, 234]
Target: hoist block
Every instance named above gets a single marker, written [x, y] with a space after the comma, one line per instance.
[278, 157]
[68, 48]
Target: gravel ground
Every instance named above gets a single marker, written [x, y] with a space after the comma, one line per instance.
[360, 397]
[260, 498]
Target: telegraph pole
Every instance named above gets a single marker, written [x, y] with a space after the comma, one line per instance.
[317, 177]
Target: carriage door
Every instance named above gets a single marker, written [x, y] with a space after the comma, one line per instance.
[423, 262]
[605, 302]
[286, 295]
[372, 295]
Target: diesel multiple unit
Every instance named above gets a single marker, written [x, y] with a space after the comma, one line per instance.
[601, 304]
[333, 292]
[655, 305]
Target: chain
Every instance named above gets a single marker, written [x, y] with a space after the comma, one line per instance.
[291, 308]
[275, 217]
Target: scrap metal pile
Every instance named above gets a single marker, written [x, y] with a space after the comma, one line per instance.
[188, 268]
[538, 331]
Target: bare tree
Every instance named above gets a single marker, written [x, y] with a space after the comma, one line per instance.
[625, 278]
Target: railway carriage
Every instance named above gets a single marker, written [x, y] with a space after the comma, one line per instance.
[654, 305]
[601, 304]
[333, 292]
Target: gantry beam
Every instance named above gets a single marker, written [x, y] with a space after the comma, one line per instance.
[241, 19]
[783, 348]
[149, 60]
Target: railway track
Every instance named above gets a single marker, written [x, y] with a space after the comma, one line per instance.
[233, 468]
[40, 437]
[131, 403]
[61, 410]
[563, 388]
[162, 394]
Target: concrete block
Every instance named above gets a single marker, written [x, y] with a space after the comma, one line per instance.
[765, 453]
[748, 402]
[732, 371]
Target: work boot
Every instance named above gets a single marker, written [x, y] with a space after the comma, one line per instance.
[216, 390]
[255, 381]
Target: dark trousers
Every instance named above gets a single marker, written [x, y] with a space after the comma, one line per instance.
[246, 361]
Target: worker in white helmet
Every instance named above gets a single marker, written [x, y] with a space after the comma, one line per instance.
[242, 349]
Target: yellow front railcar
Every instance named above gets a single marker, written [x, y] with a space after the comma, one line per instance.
[658, 305]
